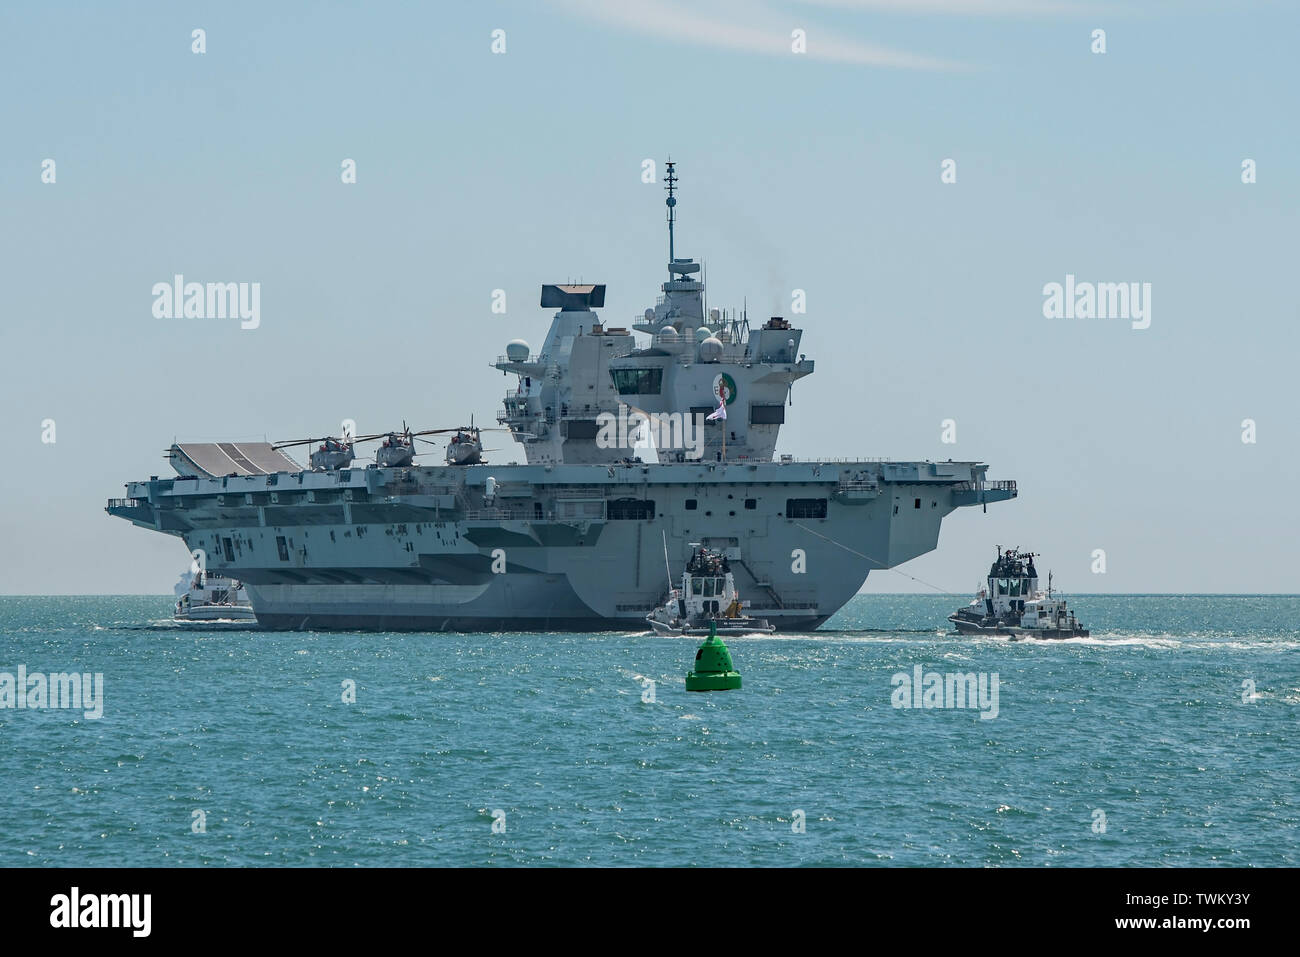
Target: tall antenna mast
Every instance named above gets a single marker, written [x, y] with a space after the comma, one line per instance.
[671, 179]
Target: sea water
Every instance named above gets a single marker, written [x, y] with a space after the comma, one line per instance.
[1168, 737]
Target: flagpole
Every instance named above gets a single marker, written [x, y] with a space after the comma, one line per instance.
[720, 414]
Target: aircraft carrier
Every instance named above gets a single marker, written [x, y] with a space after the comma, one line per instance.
[637, 453]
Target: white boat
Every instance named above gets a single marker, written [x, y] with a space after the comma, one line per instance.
[214, 598]
[707, 598]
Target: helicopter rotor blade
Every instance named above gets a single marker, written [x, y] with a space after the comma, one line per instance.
[287, 445]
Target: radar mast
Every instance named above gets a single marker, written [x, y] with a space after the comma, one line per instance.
[671, 202]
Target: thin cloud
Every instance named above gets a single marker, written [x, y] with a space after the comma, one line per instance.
[747, 27]
[970, 8]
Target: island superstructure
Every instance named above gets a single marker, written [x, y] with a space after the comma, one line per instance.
[576, 537]
[586, 369]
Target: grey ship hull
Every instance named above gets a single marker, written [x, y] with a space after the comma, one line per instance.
[564, 547]
[966, 626]
[417, 608]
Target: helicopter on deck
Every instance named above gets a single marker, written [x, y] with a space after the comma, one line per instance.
[334, 453]
[396, 451]
[397, 448]
[466, 446]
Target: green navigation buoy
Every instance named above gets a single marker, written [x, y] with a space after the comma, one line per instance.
[713, 668]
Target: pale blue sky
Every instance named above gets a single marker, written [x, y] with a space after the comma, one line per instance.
[821, 172]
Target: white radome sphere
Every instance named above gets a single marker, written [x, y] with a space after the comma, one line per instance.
[710, 350]
[517, 350]
[702, 333]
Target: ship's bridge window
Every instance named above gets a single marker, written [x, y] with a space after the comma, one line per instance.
[638, 381]
[697, 586]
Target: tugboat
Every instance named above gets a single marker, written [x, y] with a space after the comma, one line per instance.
[707, 602]
[213, 598]
[1013, 604]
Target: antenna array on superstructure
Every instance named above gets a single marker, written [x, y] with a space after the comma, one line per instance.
[671, 179]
